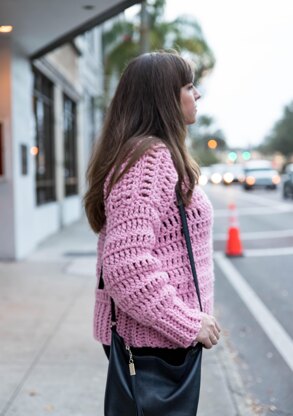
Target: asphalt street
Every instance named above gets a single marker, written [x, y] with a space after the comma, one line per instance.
[254, 293]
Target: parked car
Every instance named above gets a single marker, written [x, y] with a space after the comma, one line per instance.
[233, 173]
[260, 174]
[217, 171]
[288, 186]
[289, 168]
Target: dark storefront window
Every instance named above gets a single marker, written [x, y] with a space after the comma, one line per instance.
[70, 151]
[44, 147]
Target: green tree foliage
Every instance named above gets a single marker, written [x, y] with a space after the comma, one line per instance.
[199, 135]
[121, 42]
[281, 137]
[205, 157]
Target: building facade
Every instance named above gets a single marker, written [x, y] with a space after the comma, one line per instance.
[54, 123]
[49, 118]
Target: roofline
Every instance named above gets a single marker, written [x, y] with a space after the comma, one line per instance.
[101, 18]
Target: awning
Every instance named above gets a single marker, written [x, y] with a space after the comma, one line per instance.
[42, 25]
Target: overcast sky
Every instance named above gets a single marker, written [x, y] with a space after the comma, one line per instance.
[253, 78]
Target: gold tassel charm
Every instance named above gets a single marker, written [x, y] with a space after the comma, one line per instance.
[132, 369]
[131, 362]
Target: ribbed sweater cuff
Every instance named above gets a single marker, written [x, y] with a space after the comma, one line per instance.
[181, 326]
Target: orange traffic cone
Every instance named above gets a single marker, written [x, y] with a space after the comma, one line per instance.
[234, 245]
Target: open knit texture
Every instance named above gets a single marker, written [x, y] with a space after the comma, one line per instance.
[146, 268]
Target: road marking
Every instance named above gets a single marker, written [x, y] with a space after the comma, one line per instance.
[259, 199]
[265, 252]
[254, 211]
[258, 235]
[275, 332]
[278, 251]
[262, 200]
[267, 205]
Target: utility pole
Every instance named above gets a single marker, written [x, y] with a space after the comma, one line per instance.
[144, 29]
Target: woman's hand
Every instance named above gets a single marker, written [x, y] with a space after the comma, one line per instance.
[209, 333]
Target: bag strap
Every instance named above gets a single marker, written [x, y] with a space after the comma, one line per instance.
[189, 249]
[188, 242]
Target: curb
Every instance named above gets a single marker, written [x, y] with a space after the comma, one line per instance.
[241, 400]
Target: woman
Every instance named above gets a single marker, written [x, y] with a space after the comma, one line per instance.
[131, 203]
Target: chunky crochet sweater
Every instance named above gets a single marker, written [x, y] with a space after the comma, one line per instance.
[146, 268]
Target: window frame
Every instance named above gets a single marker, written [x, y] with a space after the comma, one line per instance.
[43, 109]
[71, 182]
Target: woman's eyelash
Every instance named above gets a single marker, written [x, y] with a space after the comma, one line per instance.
[194, 84]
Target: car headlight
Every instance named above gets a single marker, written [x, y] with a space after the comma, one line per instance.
[203, 180]
[216, 178]
[250, 180]
[276, 179]
[228, 177]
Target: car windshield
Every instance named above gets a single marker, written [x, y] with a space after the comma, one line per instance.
[259, 170]
[234, 169]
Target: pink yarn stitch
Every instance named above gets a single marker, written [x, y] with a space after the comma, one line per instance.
[146, 268]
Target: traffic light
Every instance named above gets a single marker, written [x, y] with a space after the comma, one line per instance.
[246, 155]
[232, 156]
[212, 144]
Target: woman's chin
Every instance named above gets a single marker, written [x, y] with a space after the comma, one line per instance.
[190, 120]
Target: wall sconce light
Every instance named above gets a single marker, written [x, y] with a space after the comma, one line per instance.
[6, 28]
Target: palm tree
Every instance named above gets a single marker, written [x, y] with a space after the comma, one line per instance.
[121, 42]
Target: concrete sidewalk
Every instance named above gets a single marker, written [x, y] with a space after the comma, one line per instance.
[49, 362]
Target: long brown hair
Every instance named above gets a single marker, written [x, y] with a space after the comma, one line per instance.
[145, 110]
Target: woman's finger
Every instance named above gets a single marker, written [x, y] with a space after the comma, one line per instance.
[216, 334]
[214, 340]
[208, 344]
[217, 326]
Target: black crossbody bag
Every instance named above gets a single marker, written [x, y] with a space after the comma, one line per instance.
[147, 385]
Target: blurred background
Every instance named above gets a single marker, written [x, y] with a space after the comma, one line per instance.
[59, 69]
[60, 62]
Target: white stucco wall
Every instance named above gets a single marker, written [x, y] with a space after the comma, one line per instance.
[23, 133]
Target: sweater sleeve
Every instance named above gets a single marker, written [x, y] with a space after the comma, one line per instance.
[133, 274]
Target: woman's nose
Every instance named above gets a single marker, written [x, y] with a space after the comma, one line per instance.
[197, 94]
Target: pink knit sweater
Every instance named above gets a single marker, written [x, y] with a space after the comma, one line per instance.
[146, 268]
